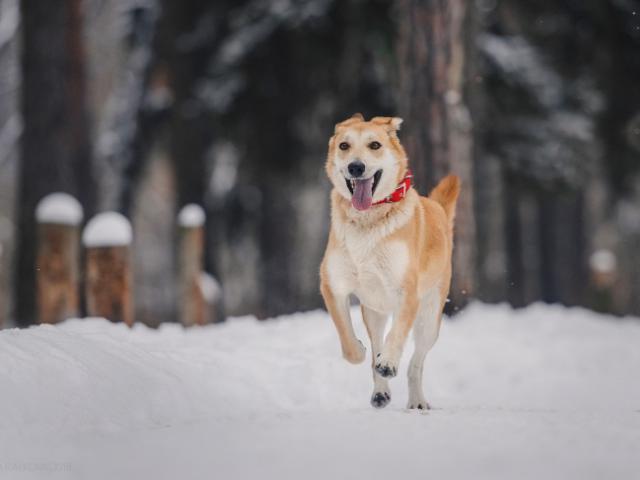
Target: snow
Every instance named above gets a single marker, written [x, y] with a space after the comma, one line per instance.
[59, 208]
[603, 261]
[191, 216]
[249, 27]
[544, 392]
[209, 287]
[107, 229]
[518, 60]
[225, 159]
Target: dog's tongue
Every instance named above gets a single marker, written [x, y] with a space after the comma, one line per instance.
[362, 197]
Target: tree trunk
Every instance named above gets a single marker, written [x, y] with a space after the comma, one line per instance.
[186, 53]
[438, 125]
[3, 287]
[513, 235]
[187, 57]
[55, 148]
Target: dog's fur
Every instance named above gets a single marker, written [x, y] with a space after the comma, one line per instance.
[395, 257]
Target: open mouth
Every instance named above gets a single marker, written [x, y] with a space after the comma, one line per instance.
[362, 190]
[351, 183]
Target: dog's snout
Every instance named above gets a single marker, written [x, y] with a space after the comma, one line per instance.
[356, 169]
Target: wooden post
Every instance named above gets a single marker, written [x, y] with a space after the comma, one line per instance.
[58, 216]
[107, 240]
[192, 302]
[603, 266]
[3, 287]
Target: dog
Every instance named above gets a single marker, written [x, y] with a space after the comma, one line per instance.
[389, 247]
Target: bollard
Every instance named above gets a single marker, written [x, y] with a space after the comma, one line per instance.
[57, 273]
[192, 304]
[107, 241]
[603, 266]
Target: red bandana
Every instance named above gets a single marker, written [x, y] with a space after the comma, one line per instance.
[400, 192]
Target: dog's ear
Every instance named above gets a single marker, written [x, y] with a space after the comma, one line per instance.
[392, 124]
[355, 118]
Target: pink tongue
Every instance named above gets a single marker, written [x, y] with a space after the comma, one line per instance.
[362, 198]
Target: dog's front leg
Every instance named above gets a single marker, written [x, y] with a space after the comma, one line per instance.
[387, 361]
[338, 306]
[375, 323]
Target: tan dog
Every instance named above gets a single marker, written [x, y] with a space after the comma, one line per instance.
[392, 251]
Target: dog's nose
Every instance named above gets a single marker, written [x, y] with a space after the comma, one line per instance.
[356, 169]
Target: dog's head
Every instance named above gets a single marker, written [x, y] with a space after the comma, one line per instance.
[366, 160]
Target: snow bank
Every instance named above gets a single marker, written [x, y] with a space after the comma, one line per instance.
[108, 229]
[60, 208]
[545, 392]
[191, 216]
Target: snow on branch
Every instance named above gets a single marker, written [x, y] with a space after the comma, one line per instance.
[250, 26]
[520, 64]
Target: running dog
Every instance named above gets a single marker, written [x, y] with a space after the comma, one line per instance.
[388, 246]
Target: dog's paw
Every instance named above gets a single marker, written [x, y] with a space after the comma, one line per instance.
[419, 405]
[380, 399]
[386, 368]
[356, 354]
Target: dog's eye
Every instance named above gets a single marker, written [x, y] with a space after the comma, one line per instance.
[344, 146]
[374, 145]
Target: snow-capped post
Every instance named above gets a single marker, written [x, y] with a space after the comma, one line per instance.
[57, 272]
[107, 241]
[192, 302]
[603, 266]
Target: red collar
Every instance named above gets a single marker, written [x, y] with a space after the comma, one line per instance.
[400, 192]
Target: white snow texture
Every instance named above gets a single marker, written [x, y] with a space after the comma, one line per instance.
[191, 216]
[59, 208]
[540, 393]
[603, 261]
[209, 287]
[107, 229]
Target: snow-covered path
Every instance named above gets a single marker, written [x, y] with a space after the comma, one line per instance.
[545, 392]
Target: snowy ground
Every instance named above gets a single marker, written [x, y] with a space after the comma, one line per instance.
[545, 392]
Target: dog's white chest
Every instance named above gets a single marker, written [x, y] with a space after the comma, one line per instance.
[374, 273]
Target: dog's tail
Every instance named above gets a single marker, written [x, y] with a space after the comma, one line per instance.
[446, 194]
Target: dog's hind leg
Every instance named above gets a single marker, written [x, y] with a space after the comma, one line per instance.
[375, 323]
[425, 334]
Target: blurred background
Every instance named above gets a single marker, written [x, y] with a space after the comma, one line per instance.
[143, 106]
